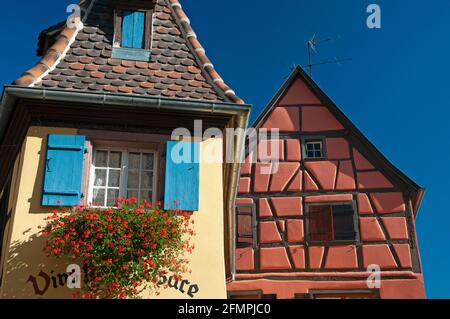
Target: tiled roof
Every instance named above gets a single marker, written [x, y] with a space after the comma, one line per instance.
[179, 68]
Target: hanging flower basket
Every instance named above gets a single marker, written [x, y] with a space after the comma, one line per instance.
[124, 250]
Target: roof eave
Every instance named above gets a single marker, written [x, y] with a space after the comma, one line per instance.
[12, 93]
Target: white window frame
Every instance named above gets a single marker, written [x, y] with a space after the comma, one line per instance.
[124, 171]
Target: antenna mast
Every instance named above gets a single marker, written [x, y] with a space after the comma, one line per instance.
[312, 45]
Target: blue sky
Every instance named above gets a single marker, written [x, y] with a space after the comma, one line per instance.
[395, 89]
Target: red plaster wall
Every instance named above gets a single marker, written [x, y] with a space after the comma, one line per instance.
[348, 174]
[287, 119]
[411, 286]
[319, 119]
[300, 93]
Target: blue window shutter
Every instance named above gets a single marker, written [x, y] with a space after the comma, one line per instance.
[139, 28]
[127, 28]
[63, 170]
[182, 179]
[133, 28]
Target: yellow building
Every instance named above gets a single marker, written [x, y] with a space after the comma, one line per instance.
[109, 91]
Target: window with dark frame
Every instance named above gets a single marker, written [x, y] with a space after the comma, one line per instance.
[314, 149]
[332, 222]
[344, 294]
[249, 295]
[245, 226]
[132, 29]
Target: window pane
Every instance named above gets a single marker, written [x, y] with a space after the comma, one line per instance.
[134, 161]
[147, 161]
[343, 227]
[100, 177]
[115, 159]
[114, 178]
[343, 222]
[112, 195]
[314, 150]
[133, 179]
[99, 197]
[147, 180]
[132, 193]
[343, 210]
[148, 195]
[320, 223]
[101, 159]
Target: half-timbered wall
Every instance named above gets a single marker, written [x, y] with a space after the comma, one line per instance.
[346, 175]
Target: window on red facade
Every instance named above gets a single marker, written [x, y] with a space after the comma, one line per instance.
[363, 294]
[332, 223]
[245, 226]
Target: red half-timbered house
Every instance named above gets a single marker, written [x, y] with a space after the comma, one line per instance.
[332, 210]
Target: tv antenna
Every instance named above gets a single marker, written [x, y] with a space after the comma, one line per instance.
[312, 47]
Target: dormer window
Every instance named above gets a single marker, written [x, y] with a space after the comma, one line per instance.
[133, 30]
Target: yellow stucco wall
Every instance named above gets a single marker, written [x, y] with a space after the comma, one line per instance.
[208, 260]
[24, 257]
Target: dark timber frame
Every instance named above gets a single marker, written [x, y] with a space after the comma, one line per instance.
[354, 134]
[357, 140]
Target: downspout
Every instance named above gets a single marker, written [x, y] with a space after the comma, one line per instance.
[242, 123]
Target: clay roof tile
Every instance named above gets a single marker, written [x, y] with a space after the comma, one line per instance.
[80, 59]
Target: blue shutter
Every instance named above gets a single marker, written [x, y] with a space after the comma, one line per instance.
[182, 179]
[139, 27]
[127, 29]
[133, 28]
[63, 170]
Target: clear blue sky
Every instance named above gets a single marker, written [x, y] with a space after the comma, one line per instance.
[395, 89]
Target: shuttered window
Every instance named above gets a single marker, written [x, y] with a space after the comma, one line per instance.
[246, 226]
[332, 223]
[63, 171]
[133, 29]
[182, 176]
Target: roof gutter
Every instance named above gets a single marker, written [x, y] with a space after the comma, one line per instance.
[12, 93]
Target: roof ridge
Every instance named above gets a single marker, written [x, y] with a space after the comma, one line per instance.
[200, 54]
[55, 53]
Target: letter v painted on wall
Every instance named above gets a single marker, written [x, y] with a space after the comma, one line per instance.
[36, 287]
